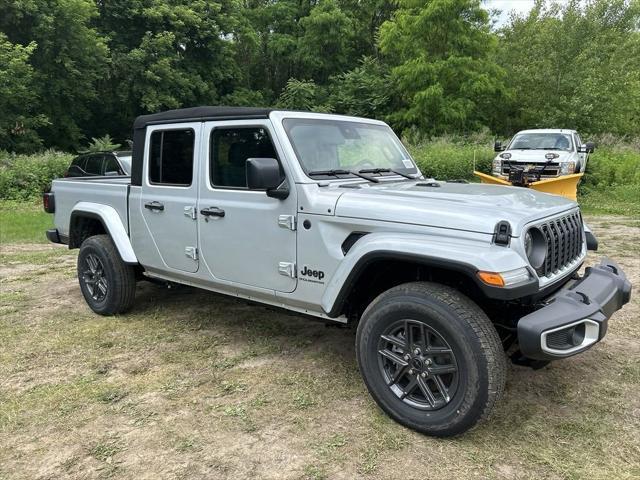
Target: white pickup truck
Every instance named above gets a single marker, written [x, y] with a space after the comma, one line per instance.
[330, 217]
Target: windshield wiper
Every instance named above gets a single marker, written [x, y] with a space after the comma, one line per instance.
[337, 171]
[387, 170]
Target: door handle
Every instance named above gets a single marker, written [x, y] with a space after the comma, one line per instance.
[212, 212]
[154, 206]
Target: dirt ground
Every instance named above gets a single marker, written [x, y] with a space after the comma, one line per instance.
[191, 384]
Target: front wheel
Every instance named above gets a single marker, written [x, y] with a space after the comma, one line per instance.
[430, 358]
[107, 283]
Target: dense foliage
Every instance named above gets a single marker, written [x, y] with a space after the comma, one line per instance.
[25, 177]
[612, 183]
[71, 70]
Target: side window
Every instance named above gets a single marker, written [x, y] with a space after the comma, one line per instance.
[230, 149]
[171, 159]
[94, 165]
[111, 165]
[76, 169]
[577, 140]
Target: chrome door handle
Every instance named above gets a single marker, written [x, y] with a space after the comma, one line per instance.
[154, 206]
[212, 212]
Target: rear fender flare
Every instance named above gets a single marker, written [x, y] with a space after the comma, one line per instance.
[112, 224]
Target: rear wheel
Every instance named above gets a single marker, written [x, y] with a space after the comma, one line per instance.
[107, 283]
[430, 358]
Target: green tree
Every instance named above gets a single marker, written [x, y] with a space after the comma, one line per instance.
[443, 67]
[326, 48]
[299, 95]
[69, 60]
[363, 91]
[18, 99]
[165, 55]
[575, 66]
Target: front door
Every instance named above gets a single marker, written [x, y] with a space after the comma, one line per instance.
[169, 194]
[246, 237]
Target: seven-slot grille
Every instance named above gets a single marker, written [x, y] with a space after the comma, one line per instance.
[564, 242]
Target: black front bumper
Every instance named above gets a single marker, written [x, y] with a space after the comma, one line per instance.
[575, 318]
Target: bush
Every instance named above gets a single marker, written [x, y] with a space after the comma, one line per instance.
[451, 158]
[24, 177]
[611, 183]
[616, 165]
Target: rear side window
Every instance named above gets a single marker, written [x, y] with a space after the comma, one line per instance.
[94, 165]
[76, 169]
[171, 157]
[231, 147]
[111, 165]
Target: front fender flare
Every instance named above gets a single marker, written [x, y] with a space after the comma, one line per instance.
[112, 224]
[462, 255]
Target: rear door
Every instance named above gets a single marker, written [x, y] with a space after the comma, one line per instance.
[169, 193]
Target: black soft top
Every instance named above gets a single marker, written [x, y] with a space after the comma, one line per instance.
[198, 114]
[194, 114]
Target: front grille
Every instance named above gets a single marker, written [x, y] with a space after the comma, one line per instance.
[550, 170]
[564, 242]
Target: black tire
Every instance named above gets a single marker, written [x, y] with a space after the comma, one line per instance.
[107, 283]
[451, 332]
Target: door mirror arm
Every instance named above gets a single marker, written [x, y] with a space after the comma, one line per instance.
[281, 192]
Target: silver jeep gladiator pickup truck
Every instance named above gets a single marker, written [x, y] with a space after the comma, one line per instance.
[329, 216]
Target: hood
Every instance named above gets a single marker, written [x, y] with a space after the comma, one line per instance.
[461, 206]
[532, 156]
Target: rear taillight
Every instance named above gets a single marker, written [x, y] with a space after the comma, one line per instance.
[49, 202]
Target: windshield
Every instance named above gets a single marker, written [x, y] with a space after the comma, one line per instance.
[325, 145]
[541, 141]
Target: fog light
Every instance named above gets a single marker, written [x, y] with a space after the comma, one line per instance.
[577, 335]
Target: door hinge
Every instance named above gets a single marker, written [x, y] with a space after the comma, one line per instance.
[190, 211]
[287, 221]
[191, 252]
[287, 269]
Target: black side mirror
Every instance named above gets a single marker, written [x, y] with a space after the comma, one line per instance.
[588, 147]
[265, 174]
[497, 147]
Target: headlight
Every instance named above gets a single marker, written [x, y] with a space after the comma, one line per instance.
[528, 244]
[497, 165]
[506, 156]
[535, 247]
[505, 279]
[567, 168]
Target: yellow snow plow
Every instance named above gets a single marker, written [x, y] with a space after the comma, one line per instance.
[566, 185]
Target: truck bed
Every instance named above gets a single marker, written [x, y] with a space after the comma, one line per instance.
[109, 191]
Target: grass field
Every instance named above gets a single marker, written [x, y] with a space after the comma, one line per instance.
[192, 384]
[23, 222]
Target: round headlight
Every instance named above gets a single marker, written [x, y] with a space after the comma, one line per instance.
[535, 247]
[528, 244]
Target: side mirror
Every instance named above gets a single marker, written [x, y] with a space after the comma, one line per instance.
[497, 147]
[588, 147]
[265, 174]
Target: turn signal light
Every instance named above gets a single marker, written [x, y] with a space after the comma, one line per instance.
[491, 278]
